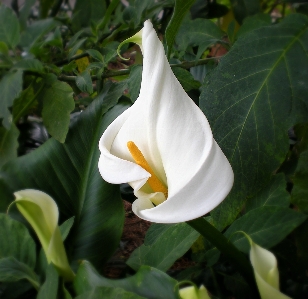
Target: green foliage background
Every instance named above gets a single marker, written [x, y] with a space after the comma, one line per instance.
[61, 84]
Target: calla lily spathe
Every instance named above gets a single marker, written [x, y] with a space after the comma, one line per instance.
[264, 264]
[41, 211]
[174, 137]
[192, 292]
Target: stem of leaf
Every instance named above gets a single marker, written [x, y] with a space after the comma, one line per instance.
[236, 257]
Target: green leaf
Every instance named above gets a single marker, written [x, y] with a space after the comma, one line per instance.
[54, 39]
[24, 13]
[186, 79]
[266, 226]
[87, 11]
[110, 51]
[33, 65]
[10, 86]
[251, 99]
[147, 282]
[27, 100]
[76, 47]
[115, 91]
[163, 245]
[253, 23]
[34, 32]
[134, 12]
[9, 27]
[70, 67]
[244, 8]
[110, 293]
[11, 270]
[134, 82]
[8, 144]
[66, 227]
[49, 289]
[199, 32]
[112, 6]
[274, 194]
[68, 172]
[300, 181]
[65, 293]
[84, 82]
[180, 9]
[58, 102]
[95, 54]
[16, 241]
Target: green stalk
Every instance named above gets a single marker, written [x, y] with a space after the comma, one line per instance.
[237, 258]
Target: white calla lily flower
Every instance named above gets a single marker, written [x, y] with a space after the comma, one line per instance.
[192, 292]
[41, 211]
[164, 148]
[264, 264]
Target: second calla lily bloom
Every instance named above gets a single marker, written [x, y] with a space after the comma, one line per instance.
[163, 146]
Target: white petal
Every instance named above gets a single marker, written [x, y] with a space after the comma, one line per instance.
[265, 268]
[113, 169]
[192, 292]
[43, 202]
[189, 293]
[198, 196]
[175, 138]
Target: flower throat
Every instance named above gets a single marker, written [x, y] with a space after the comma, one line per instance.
[153, 180]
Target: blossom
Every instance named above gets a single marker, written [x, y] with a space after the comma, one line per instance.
[41, 211]
[192, 292]
[264, 264]
[163, 146]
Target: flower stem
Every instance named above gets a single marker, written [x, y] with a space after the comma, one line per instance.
[237, 258]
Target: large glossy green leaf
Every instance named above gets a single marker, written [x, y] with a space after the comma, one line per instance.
[11, 270]
[68, 172]
[16, 241]
[9, 27]
[147, 282]
[274, 194]
[163, 245]
[267, 226]
[251, 99]
[254, 22]
[180, 9]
